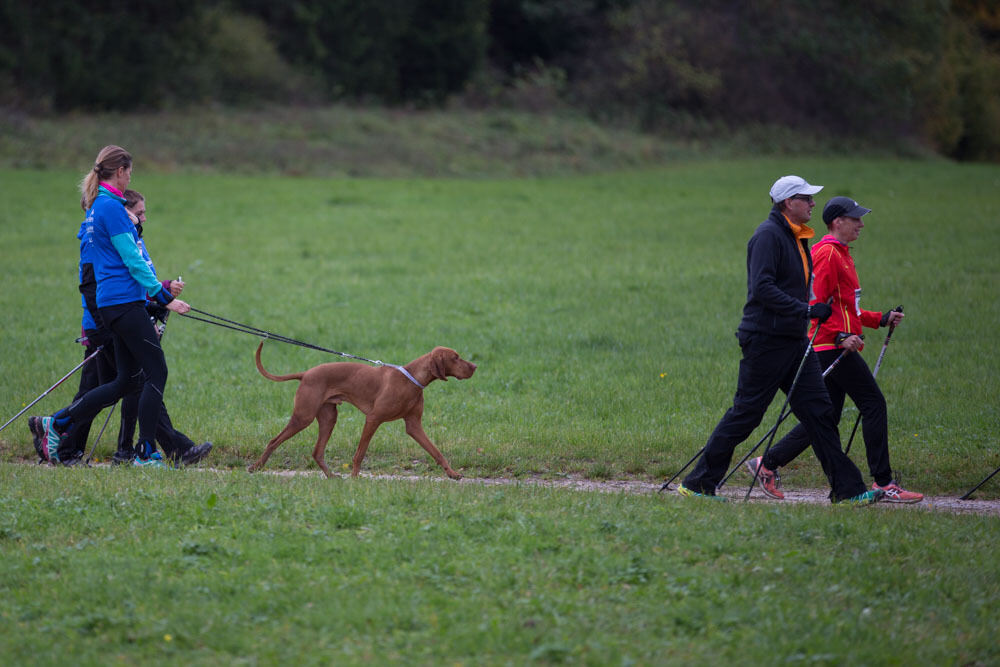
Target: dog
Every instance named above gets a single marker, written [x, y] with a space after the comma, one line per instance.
[383, 394]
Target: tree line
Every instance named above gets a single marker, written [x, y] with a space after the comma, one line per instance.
[927, 70]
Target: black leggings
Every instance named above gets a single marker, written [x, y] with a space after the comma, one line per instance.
[137, 350]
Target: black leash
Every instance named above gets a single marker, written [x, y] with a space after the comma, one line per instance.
[262, 333]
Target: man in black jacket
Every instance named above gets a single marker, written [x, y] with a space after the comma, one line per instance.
[772, 336]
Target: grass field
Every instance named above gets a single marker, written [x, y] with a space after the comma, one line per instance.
[600, 309]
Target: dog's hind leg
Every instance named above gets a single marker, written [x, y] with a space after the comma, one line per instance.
[327, 417]
[295, 424]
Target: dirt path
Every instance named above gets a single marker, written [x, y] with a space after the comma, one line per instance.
[814, 496]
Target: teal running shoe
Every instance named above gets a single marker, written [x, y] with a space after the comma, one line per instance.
[689, 493]
[154, 461]
[864, 499]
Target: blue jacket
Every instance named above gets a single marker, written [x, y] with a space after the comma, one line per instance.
[778, 294]
[122, 273]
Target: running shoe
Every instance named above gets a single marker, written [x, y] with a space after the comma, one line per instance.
[38, 437]
[194, 454]
[862, 499]
[44, 430]
[154, 461]
[123, 456]
[770, 480]
[75, 459]
[689, 493]
[894, 493]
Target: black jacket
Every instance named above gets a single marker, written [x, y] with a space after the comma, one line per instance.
[777, 291]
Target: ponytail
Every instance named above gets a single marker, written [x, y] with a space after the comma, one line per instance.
[108, 161]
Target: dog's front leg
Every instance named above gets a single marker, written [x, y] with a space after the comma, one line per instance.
[371, 425]
[415, 430]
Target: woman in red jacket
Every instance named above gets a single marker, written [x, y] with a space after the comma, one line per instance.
[836, 278]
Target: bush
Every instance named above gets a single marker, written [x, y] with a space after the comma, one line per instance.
[242, 66]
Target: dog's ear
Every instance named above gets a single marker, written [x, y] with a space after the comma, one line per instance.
[438, 365]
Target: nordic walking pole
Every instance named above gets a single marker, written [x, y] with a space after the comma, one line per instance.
[966, 496]
[49, 390]
[781, 419]
[677, 474]
[107, 419]
[788, 398]
[878, 362]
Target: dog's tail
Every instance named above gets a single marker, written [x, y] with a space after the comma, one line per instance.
[276, 378]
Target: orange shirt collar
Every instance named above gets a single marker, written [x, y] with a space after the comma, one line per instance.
[802, 231]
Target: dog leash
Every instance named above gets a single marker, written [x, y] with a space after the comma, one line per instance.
[262, 333]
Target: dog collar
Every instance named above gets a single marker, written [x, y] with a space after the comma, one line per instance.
[407, 374]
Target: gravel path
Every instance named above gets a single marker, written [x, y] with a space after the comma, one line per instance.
[815, 496]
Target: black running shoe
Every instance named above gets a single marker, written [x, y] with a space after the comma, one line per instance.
[37, 437]
[123, 456]
[195, 454]
[74, 459]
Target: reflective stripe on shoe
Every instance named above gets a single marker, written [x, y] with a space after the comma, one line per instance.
[689, 493]
[50, 445]
[894, 493]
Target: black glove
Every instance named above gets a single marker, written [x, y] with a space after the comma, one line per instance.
[156, 311]
[819, 311]
[885, 316]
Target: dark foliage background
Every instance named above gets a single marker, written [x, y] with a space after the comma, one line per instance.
[924, 70]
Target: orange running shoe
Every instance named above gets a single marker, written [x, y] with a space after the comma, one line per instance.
[894, 493]
[770, 481]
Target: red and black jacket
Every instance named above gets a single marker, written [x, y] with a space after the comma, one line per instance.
[834, 276]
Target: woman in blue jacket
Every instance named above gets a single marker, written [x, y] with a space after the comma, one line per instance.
[124, 280]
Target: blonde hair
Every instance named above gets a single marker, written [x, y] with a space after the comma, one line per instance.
[109, 160]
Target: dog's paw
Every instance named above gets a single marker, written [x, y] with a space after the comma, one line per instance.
[453, 474]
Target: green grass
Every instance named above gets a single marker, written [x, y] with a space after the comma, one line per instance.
[600, 308]
[115, 566]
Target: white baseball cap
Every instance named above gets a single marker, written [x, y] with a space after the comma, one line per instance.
[787, 186]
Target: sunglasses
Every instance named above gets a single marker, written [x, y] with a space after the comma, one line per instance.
[808, 198]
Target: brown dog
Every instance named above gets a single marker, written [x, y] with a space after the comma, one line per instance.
[382, 393]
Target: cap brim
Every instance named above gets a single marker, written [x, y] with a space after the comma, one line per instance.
[811, 189]
[856, 212]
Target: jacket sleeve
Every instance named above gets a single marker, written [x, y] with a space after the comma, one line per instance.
[870, 319]
[763, 256]
[129, 251]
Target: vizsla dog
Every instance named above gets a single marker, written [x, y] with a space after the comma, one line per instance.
[383, 394]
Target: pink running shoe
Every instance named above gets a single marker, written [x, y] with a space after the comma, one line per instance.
[894, 493]
[769, 480]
